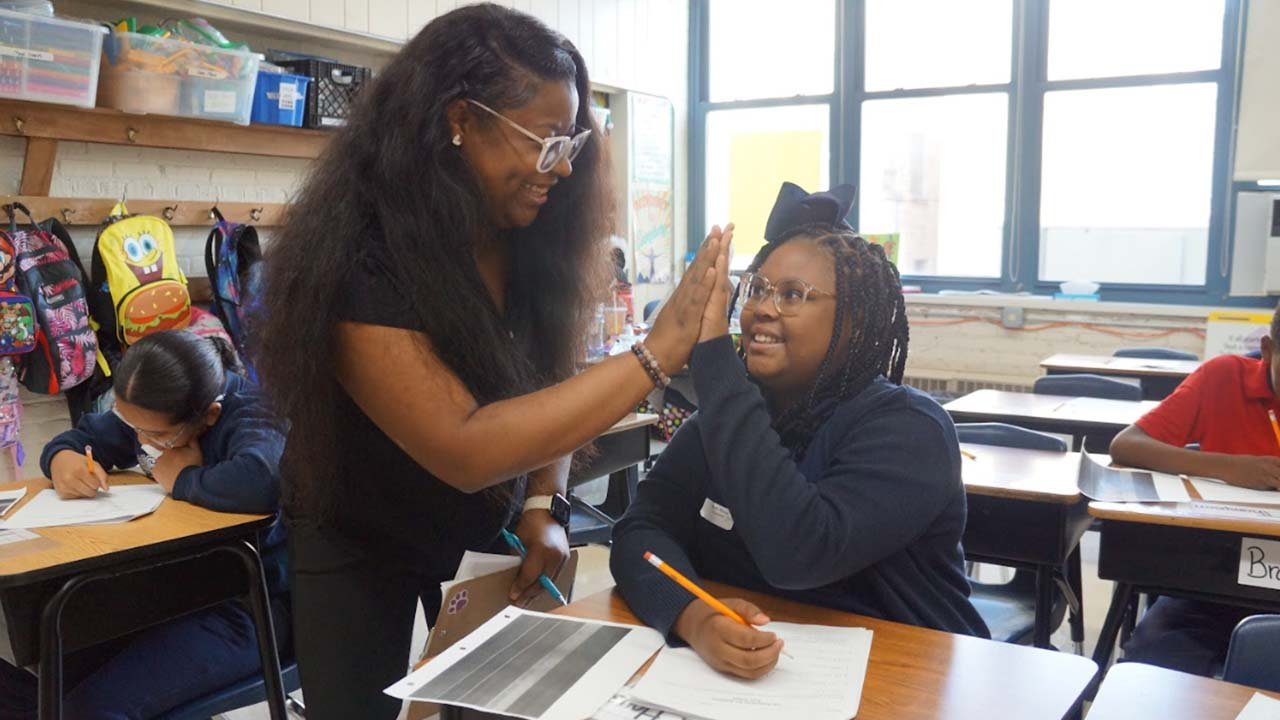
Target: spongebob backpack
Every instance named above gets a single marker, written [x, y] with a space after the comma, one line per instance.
[136, 284]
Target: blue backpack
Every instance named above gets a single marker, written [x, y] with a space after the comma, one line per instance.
[233, 259]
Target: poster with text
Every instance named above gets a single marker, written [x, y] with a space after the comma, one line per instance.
[651, 198]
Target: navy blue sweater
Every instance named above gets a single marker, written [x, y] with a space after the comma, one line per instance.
[241, 460]
[869, 521]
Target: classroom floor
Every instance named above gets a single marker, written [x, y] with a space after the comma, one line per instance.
[594, 576]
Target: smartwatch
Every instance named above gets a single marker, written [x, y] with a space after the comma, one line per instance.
[556, 504]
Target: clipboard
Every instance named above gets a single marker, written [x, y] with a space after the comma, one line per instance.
[471, 603]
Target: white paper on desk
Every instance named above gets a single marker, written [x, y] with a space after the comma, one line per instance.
[533, 665]
[1218, 491]
[122, 504]
[476, 564]
[10, 497]
[821, 681]
[623, 707]
[1260, 707]
[1234, 511]
[1108, 484]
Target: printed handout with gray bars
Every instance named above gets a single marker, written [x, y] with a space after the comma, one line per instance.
[533, 665]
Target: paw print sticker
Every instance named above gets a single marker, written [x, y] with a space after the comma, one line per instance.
[457, 602]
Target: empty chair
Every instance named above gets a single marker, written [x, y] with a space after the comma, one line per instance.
[1254, 653]
[1009, 609]
[1087, 385]
[1157, 388]
[1155, 353]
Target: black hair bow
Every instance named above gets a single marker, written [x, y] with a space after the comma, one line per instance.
[796, 208]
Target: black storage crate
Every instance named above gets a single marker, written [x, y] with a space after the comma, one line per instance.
[332, 90]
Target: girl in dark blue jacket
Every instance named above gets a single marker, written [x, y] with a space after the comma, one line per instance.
[204, 435]
[811, 473]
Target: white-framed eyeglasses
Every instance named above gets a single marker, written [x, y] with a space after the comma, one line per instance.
[788, 295]
[554, 149]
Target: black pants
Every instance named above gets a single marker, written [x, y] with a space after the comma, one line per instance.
[1186, 635]
[353, 613]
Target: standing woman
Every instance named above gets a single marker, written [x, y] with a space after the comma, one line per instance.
[424, 308]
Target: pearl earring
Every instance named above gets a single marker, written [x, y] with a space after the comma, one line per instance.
[457, 140]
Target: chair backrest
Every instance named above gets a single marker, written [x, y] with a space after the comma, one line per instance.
[1011, 436]
[649, 307]
[1155, 353]
[1254, 653]
[1255, 354]
[1087, 385]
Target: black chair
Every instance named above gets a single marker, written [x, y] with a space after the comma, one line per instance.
[649, 308]
[1157, 388]
[1009, 609]
[1254, 653]
[249, 691]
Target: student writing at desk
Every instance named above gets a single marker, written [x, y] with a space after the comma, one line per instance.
[1223, 407]
[813, 475]
[425, 307]
[204, 435]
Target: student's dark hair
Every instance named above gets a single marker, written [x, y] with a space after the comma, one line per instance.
[870, 335]
[392, 192]
[172, 372]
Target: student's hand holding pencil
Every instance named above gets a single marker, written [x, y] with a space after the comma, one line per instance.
[725, 644]
[76, 475]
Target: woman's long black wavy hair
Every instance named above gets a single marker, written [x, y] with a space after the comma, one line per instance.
[870, 333]
[392, 190]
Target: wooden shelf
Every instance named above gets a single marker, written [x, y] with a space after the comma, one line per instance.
[100, 125]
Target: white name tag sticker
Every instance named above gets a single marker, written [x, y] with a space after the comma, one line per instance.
[1259, 563]
[719, 515]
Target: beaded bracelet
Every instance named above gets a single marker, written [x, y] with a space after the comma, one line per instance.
[650, 365]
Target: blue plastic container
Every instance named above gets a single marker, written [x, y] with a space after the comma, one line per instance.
[280, 99]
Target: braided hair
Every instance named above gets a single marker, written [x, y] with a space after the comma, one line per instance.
[870, 333]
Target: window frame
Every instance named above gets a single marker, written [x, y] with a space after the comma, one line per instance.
[1026, 89]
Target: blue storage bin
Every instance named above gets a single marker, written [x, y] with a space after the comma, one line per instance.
[280, 99]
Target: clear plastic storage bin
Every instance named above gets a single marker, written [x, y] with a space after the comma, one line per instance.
[49, 60]
[166, 76]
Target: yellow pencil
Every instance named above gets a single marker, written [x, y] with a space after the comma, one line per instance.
[1275, 426]
[88, 464]
[698, 592]
[968, 454]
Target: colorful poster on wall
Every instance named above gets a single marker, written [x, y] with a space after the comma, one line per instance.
[890, 243]
[651, 187]
[1235, 333]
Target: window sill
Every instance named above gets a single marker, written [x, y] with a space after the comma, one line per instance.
[1045, 302]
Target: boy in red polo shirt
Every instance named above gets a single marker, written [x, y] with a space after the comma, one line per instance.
[1223, 408]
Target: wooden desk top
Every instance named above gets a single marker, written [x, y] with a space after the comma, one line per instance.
[1133, 691]
[998, 404]
[1037, 475]
[1183, 515]
[916, 673]
[1129, 367]
[631, 422]
[64, 550]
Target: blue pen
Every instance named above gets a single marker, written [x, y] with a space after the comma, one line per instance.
[518, 546]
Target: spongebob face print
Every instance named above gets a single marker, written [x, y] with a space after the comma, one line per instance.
[143, 256]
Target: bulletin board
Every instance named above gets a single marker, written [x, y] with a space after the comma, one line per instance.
[651, 187]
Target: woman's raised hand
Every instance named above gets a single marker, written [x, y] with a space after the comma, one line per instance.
[679, 325]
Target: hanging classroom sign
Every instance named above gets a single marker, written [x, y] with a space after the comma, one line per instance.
[651, 185]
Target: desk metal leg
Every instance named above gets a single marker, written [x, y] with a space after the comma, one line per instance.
[1044, 605]
[1075, 580]
[1110, 629]
[260, 606]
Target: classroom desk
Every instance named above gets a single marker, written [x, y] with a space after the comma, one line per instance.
[1119, 366]
[619, 452]
[1173, 549]
[916, 673]
[1073, 416]
[82, 584]
[1134, 691]
[1025, 511]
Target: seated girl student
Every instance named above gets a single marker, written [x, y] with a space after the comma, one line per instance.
[204, 435]
[813, 475]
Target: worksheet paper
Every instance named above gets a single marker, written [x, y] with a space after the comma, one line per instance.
[1260, 707]
[821, 681]
[122, 504]
[8, 537]
[10, 497]
[1218, 491]
[623, 707]
[533, 665]
[1235, 511]
[1100, 482]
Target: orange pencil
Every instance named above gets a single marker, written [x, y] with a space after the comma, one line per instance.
[1275, 426]
[88, 462]
[698, 592]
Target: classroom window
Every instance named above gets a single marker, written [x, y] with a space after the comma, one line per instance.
[749, 153]
[1127, 184]
[1010, 144]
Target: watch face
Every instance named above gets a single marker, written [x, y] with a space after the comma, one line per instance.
[560, 509]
